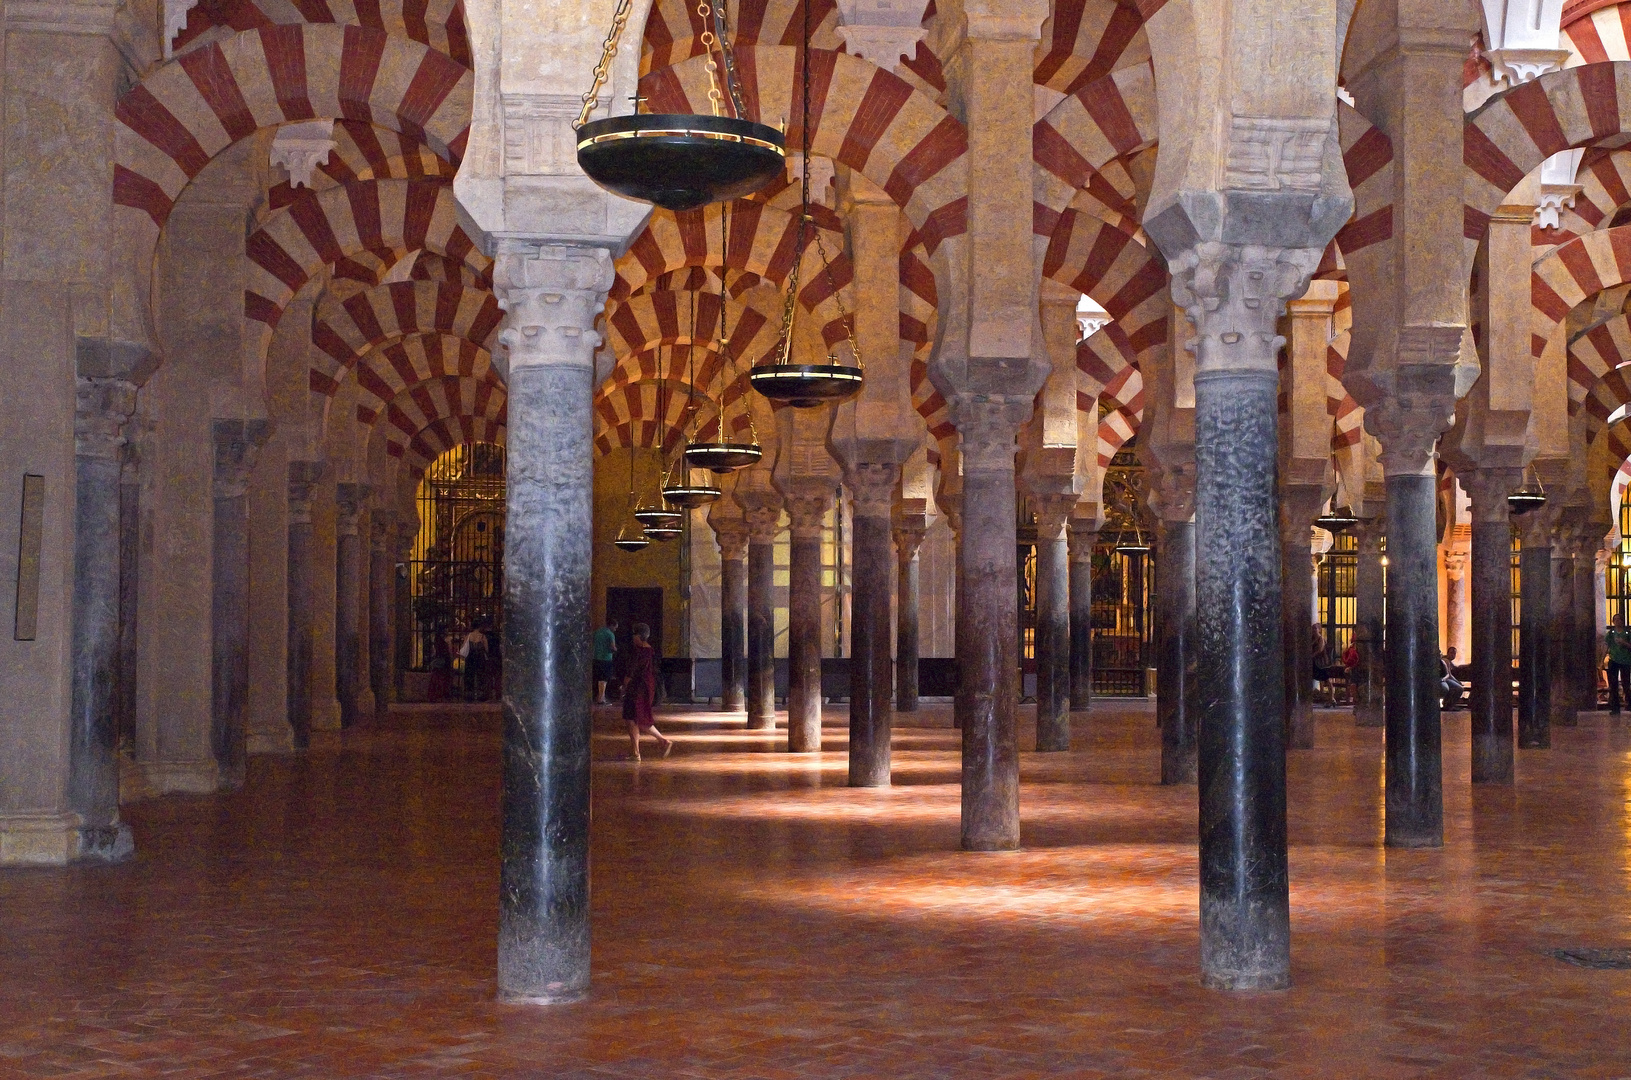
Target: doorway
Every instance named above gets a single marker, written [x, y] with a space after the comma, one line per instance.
[628, 606]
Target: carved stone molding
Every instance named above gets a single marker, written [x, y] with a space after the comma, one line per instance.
[301, 147]
[539, 139]
[101, 407]
[303, 478]
[552, 294]
[237, 442]
[1234, 294]
[351, 499]
[872, 487]
[1488, 489]
[764, 523]
[987, 427]
[1269, 153]
[732, 537]
[1053, 514]
[805, 515]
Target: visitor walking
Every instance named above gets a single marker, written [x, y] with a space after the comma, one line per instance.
[474, 654]
[640, 693]
[605, 654]
[1619, 665]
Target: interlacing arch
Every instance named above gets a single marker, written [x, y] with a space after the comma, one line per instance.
[398, 365]
[1084, 40]
[656, 319]
[186, 112]
[651, 414]
[1123, 399]
[1367, 156]
[1605, 188]
[1073, 144]
[346, 329]
[436, 414]
[1574, 271]
[386, 217]
[436, 23]
[366, 152]
[761, 240]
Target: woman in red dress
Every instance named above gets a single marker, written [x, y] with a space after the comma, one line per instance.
[640, 692]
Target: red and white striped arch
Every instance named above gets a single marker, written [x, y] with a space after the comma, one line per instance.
[179, 117]
[762, 241]
[385, 217]
[1595, 31]
[344, 330]
[436, 23]
[1124, 398]
[1367, 156]
[1084, 40]
[366, 152]
[1569, 275]
[1073, 146]
[421, 359]
[862, 116]
[439, 414]
[647, 322]
[651, 414]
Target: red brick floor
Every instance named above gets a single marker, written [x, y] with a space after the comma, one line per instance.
[754, 918]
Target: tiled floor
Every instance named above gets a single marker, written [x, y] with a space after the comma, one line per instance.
[754, 918]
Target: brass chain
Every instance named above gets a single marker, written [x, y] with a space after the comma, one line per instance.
[715, 98]
[734, 84]
[790, 303]
[608, 52]
[838, 298]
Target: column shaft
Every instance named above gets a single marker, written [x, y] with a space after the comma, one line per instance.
[908, 568]
[1052, 642]
[1560, 639]
[381, 571]
[870, 715]
[1081, 619]
[1244, 884]
[1175, 683]
[987, 656]
[1296, 628]
[1534, 670]
[1492, 651]
[229, 622]
[1369, 578]
[1587, 657]
[347, 621]
[761, 672]
[733, 586]
[302, 475]
[543, 931]
[93, 740]
[1414, 794]
[804, 643]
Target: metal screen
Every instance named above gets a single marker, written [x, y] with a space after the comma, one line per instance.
[456, 573]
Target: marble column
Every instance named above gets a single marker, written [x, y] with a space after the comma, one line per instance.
[1560, 635]
[303, 477]
[1083, 535]
[763, 524]
[1369, 578]
[101, 407]
[348, 600]
[1456, 603]
[732, 537]
[1175, 685]
[1586, 630]
[988, 622]
[1299, 505]
[872, 498]
[381, 582]
[236, 442]
[1491, 624]
[1234, 297]
[1534, 619]
[1053, 621]
[908, 540]
[805, 513]
[552, 296]
[130, 509]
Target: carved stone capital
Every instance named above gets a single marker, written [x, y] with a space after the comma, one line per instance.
[552, 295]
[987, 427]
[1052, 515]
[1455, 565]
[909, 533]
[382, 526]
[872, 487]
[301, 147]
[731, 534]
[350, 498]
[764, 523]
[237, 442]
[1488, 489]
[1084, 534]
[1419, 396]
[1235, 295]
[805, 515]
[1169, 489]
[1369, 534]
[1299, 505]
[303, 478]
[101, 407]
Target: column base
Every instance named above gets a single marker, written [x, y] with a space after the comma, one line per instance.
[108, 844]
[367, 705]
[325, 714]
[1565, 716]
[38, 839]
[544, 999]
[279, 740]
[1372, 714]
[175, 777]
[1246, 981]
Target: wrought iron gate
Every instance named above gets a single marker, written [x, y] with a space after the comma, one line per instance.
[456, 573]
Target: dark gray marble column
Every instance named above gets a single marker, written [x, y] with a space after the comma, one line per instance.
[1245, 903]
[236, 442]
[381, 575]
[988, 624]
[102, 405]
[1083, 535]
[761, 674]
[1369, 574]
[1298, 506]
[1560, 635]
[348, 584]
[805, 513]
[872, 495]
[552, 296]
[1414, 788]
[732, 536]
[908, 540]
[1491, 574]
[1534, 660]
[1586, 630]
[130, 509]
[1175, 683]
[303, 477]
[1053, 622]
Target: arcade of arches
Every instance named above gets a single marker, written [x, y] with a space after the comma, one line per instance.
[1038, 710]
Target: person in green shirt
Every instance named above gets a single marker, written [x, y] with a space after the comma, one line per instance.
[605, 653]
[1619, 664]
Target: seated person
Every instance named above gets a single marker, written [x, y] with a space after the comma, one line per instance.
[1450, 687]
